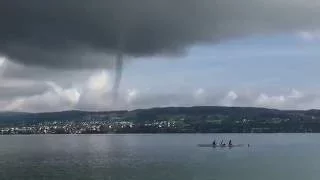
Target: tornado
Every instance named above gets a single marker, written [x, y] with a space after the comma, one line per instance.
[118, 66]
[117, 76]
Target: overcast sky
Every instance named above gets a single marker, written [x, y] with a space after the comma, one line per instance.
[60, 55]
[266, 71]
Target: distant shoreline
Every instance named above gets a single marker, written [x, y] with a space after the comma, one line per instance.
[150, 134]
[199, 119]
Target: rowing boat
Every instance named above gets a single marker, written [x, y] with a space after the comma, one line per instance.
[220, 146]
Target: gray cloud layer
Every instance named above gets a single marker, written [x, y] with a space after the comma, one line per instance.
[72, 33]
[12, 89]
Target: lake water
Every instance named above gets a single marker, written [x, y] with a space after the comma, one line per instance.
[159, 157]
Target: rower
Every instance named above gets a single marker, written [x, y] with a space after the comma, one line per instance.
[230, 143]
[214, 143]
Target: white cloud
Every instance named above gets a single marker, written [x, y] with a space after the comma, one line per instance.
[309, 35]
[2, 61]
[99, 82]
[229, 99]
[15, 105]
[292, 100]
[232, 95]
[71, 95]
[132, 94]
[199, 92]
[55, 99]
[2, 65]
[95, 94]
[269, 101]
[296, 94]
[58, 98]
[199, 96]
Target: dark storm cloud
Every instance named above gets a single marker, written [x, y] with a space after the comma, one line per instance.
[61, 33]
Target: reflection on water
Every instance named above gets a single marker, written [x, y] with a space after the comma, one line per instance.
[158, 157]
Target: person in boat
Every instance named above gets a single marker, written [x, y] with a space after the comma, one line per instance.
[230, 143]
[214, 143]
[222, 144]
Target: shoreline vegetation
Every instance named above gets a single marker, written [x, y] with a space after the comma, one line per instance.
[200, 119]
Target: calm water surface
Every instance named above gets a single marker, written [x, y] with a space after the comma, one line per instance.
[159, 157]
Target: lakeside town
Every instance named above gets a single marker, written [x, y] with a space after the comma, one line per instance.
[94, 127]
[129, 127]
[163, 120]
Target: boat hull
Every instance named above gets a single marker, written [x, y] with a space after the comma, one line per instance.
[219, 146]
